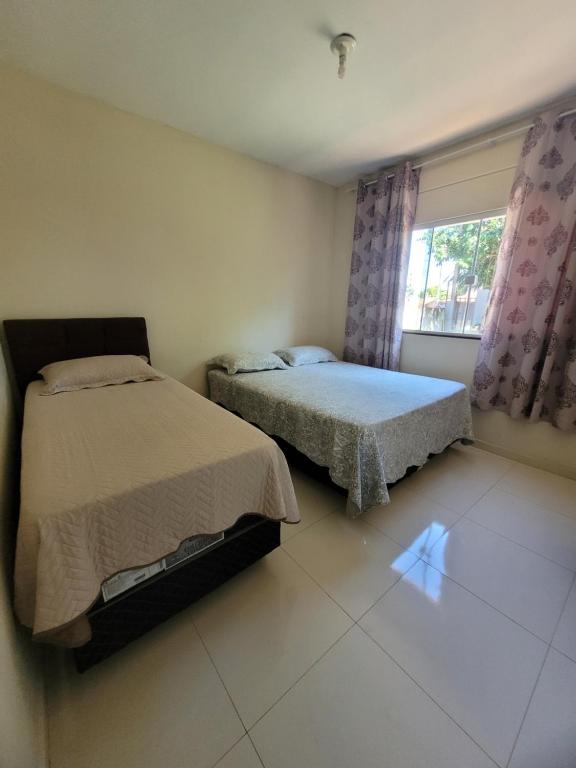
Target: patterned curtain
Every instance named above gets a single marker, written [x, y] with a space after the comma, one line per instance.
[382, 230]
[527, 360]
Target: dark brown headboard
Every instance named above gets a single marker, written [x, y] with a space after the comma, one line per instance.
[34, 343]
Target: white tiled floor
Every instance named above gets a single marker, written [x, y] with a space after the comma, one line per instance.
[565, 637]
[242, 755]
[437, 632]
[335, 546]
[441, 635]
[265, 629]
[482, 561]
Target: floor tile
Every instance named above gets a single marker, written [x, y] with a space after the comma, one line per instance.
[411, 519]
[548, 735]
[315, 501]
[264, 629]
[158, 702]
[357, 708]
[473, 661]
[471, 458]
[548, 533]
[528, 588]
[455, 492]
[565, 637]
[351, 560]
[243, 755]
[458, 477]
[542, 488]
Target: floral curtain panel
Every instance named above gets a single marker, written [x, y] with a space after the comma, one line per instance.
[527, 360]
[382, 230]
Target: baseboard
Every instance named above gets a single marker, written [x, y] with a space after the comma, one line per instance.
[531, 461]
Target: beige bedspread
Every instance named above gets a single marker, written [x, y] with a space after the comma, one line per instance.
[118, 477]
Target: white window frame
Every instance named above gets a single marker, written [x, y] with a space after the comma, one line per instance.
[463, 219]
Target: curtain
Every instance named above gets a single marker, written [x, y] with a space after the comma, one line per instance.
[382, 230]
[527, 361]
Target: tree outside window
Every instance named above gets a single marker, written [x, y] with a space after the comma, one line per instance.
[450, 275]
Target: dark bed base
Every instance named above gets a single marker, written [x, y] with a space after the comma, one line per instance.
[32, 344]
[117, 623]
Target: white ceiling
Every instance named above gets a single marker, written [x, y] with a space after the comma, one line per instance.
[257, 75]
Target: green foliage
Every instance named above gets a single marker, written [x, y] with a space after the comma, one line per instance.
[472, 247]
[435, 292]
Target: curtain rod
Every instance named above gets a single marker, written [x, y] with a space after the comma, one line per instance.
[471, 147]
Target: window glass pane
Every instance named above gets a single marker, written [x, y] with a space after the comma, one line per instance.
[450, 274]
[451, 264]
[416, 282]
[488, 245]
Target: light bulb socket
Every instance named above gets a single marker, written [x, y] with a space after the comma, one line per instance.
[342, 46]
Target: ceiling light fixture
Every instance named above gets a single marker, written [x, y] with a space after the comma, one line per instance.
[342, 46]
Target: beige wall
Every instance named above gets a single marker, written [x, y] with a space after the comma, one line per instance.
[104, 213]
[445, 194]
[22, 743]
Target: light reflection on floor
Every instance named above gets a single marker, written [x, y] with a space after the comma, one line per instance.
[423, 576]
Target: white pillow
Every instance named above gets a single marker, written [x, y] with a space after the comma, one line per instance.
[306, 355]
[97, 371]
[246, 362]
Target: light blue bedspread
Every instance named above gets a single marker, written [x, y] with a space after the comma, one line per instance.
[365, 424]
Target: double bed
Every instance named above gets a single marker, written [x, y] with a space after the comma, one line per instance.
[367, 426]
[116, 478]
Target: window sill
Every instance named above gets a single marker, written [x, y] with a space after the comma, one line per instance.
[474, 336]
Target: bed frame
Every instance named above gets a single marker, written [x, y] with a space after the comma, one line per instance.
[32, 344]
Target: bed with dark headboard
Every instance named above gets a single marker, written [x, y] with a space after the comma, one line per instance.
[31, 344]
[35, 343]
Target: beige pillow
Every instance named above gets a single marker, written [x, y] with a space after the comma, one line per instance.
[99, 371]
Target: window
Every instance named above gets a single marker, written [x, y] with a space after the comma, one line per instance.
[449, 276]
